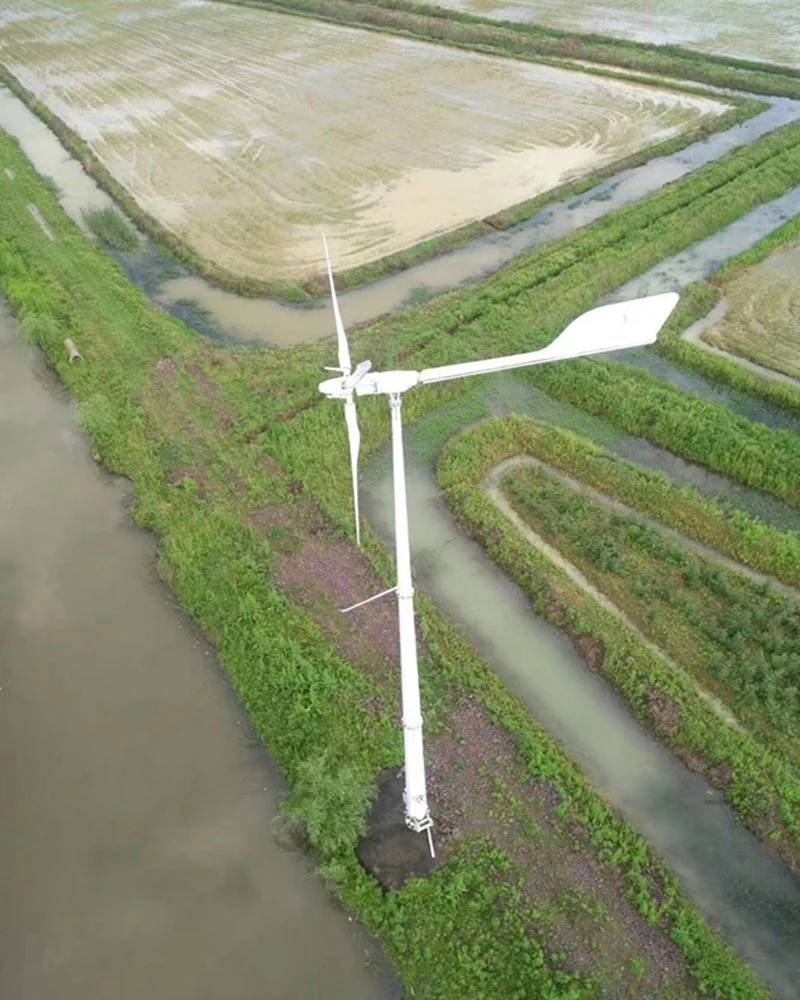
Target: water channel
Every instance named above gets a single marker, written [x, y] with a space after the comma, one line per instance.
[750, 896]
[227, 316]
[754, 900]
[137, 856]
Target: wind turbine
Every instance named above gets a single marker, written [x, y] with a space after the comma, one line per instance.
[607, 328]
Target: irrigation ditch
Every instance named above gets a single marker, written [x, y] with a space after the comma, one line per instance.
[232, 467]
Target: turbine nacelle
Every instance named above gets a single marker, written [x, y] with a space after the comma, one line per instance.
[369, 384]
[342, 388]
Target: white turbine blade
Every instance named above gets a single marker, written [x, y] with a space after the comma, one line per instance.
[607, 328]
[354, 438]
[341, 336]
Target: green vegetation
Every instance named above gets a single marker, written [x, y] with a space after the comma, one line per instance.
[526, 304]
[760, 781]
[522, 40]
[740, 639]
[110, 226]
[198, 430]
[700, 298]
[759, 546]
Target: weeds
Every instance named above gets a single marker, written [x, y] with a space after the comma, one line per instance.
[112, 228]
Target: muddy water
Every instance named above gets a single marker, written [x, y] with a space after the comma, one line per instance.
[751, 897]
[245, 147]
[136, 852]
[508, 395]
[227, 316]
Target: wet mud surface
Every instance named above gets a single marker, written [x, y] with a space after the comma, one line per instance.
[760, 320]
[759, 30]
[244, 132]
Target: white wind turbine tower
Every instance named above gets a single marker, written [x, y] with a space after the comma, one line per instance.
[607, 328]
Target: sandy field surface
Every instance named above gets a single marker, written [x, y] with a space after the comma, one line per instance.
[246, 132]
[761, 30]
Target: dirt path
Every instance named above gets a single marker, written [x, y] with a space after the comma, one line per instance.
[493, 491]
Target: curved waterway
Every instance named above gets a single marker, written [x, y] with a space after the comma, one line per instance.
[228, 316]
[136, 851]
[751, 897]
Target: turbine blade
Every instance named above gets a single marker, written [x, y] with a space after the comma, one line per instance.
[354, 439]
[606, 328]
[341, 336]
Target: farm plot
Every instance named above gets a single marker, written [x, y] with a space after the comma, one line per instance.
[762, 313]
[758, 30]
[246, 132]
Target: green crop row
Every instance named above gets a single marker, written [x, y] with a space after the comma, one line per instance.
[309, 706]
[756, 780]
[739, 638]
[759, 546]
[527, 303]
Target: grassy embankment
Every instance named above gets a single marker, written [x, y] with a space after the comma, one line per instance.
[317, 285]
[530, 301]
[521, 40]
[729, 634]
[700, 298]
[182, 420]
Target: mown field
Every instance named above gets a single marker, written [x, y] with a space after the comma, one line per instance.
[223, 472]
[246, 148]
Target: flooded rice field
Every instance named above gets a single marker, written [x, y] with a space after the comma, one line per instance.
[227, 316]
[137, 856]
[244, 132]
[759, 318]
[758, 30]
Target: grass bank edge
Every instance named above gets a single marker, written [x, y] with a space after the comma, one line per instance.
[217, 566]
[763, 789]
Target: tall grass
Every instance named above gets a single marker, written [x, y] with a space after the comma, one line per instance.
[112, 228]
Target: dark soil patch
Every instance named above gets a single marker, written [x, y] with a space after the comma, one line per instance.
[590, 649]
[390, 851]
[664, 713]
[481, 789]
